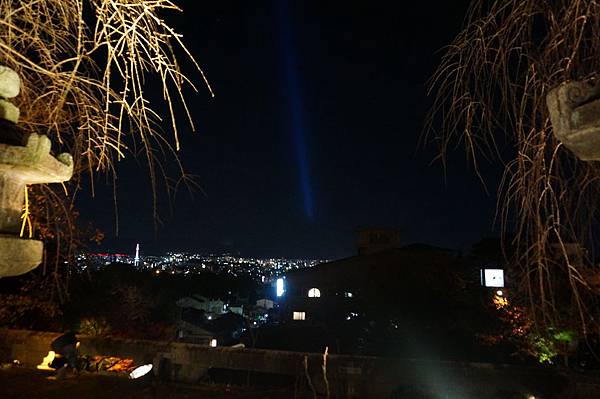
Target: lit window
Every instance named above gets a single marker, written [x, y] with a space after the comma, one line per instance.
[299, 316]
[280, 287]
[213, 343]
[314, 293]
[492, 278]
[348, 294]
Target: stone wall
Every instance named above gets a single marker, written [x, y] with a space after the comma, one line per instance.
[347, 376]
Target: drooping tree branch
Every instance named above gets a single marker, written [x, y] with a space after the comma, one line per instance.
[490, 95]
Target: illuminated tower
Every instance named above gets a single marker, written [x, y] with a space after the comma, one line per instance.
[136, 261]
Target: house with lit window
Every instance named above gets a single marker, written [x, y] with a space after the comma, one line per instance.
[374, 283]
[388, 300]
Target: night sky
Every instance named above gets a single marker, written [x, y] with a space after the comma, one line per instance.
[313, 133]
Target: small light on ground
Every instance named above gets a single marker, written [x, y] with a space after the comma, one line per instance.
[47, 361]
[140, 371]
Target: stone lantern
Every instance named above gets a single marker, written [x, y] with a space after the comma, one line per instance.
[574, 109]
[24, 159]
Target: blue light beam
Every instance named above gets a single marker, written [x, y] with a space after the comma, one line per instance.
[295, 104]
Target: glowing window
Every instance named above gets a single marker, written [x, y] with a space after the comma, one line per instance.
[213, 343]
[492, 278]
[348, 295]
[299, 316]
[314, 293]
[280, 287]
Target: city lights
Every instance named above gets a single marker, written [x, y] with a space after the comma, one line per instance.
[260, 270]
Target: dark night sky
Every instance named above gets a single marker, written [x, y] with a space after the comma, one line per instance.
[312, 134]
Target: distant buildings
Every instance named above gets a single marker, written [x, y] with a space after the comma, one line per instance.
[214, 322]
[211, 307]
[265, 304]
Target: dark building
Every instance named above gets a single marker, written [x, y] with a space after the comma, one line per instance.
[377, 285]
[414, 301]
[391, 302]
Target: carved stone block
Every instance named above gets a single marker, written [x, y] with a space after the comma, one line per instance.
[574, 109]
[10, 83]
[21, 255]
[9, 111]
[19, 166]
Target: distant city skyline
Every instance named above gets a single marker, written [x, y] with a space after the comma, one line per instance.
[262, 270]
[157, 248]
[135, 254]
